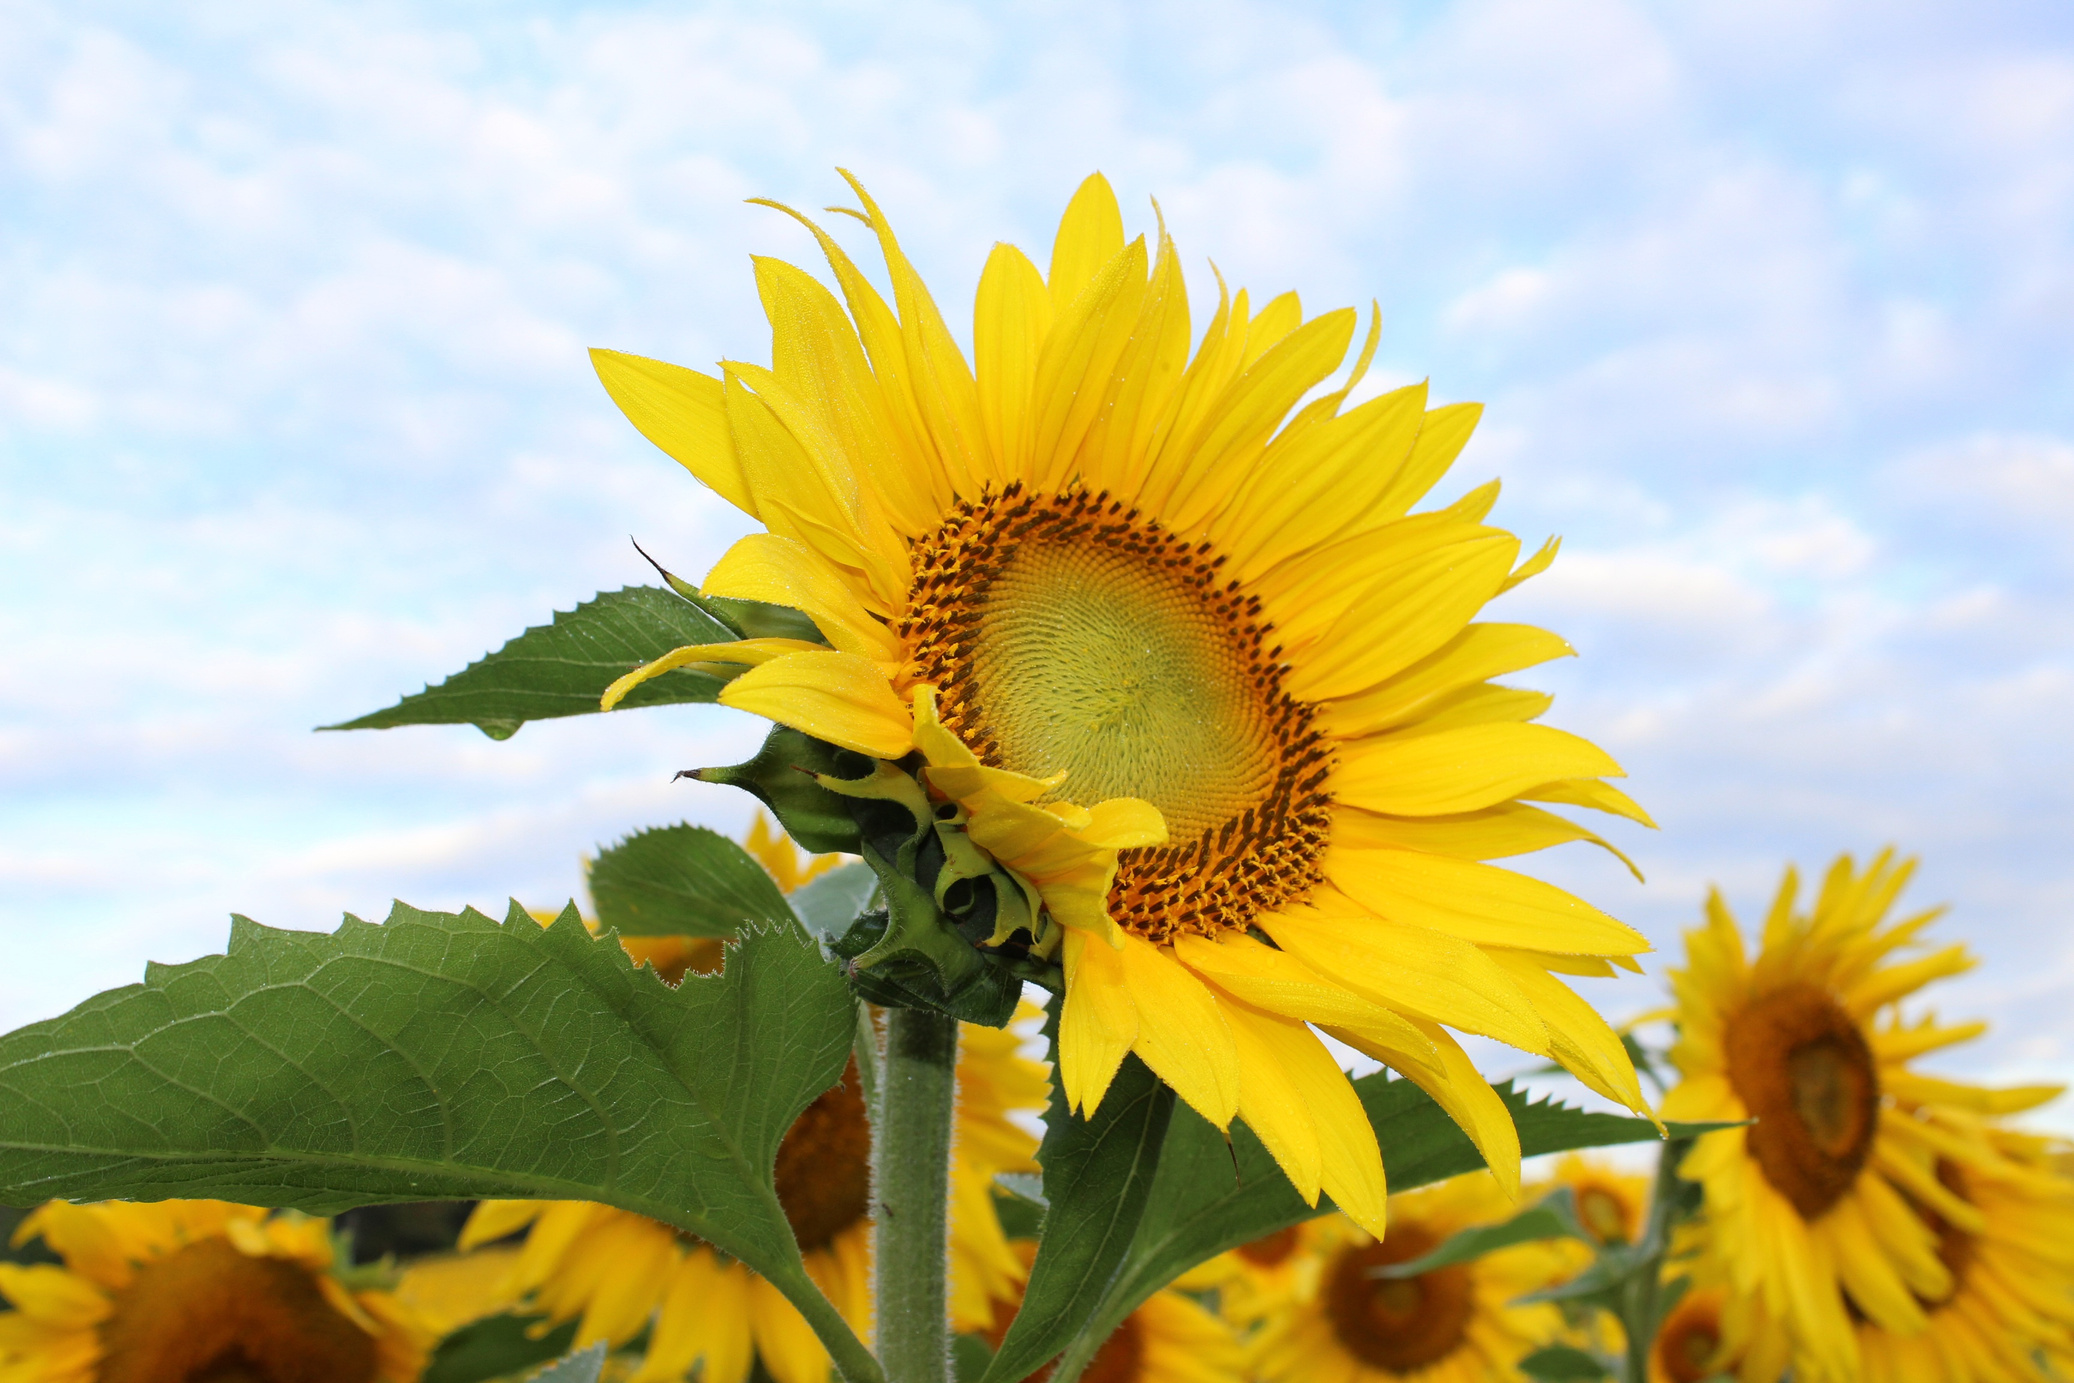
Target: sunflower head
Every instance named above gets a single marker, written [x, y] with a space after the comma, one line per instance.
[1814, 1209]
[1181, 706]
[197, 1292]
[1345, 1314]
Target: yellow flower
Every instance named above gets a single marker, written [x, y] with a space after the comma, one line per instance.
[1339, 1324]
[617, 1270]
[1612, 1205]
[1810, 1208]
[1174, 653]
[186, 1290]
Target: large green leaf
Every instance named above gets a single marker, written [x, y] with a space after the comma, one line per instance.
[683, 881]
[439, 1056]
[561, 669]
[1098, 1174]
[1211, 1195]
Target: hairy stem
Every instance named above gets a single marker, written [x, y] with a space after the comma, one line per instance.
[911, 1153]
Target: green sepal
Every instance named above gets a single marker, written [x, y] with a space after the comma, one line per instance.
[563, 668]
[783, 776]
[749, 619]
[683, 880]
[944, 899]
[584, 1366]
[496, 1347]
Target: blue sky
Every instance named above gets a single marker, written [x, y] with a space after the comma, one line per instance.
[1771, 303]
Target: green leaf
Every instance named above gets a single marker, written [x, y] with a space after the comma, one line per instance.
[831, 904]
[561, 669]
[1210, 1196]
[496, 1347]
[683, 880]
[441, 1056]
[1098, 1174]
[1560, 1363]
[1536, 1222]
[583, 1366]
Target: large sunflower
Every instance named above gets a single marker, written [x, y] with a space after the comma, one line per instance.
[1337, 1323]
[620, 1271]
[194, 1291]
[1174, 652]
[1809, 1210]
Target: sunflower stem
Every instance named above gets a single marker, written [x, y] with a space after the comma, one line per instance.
[1642, 1299]
[911, 1152]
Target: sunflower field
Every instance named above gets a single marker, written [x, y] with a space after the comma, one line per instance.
[1138, 765]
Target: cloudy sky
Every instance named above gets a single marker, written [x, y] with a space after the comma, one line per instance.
[1771, 302]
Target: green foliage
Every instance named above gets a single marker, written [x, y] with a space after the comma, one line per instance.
[829, 905]
[496, 1347]
[583, 1366]
[436, 1056]
[1561, 1364]
[1098, 1174]
[1210, 1195]
[1541, 1221]
[683, 881]
[561, 669]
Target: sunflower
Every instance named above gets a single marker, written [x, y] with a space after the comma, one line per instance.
[618, 1270]
[1612, 1205]
[193, 1291]
[2005, 1233]
[1173, 651]
[1810, 1208]
[1340, 1324]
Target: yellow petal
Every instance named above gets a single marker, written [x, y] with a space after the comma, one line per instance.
[1076, 370]
[784, 1341]
[53, 1296]
[1290, 1081]
[1581, 1039]
[1480, 903]
[784, 571]
[1098, 1023]
[816, 352]
[1281, 984]
[1510, 828]
[1305, 494]
[740, 653]
[1441, 439]
[1145, 380]
[1090, 236]
[1011, 317]
[1463, 769]
[834, 696]
[1590, 792]
[1404, 615]
[1468, 1099]
[1479, 652]
[1417, 972]
[1181, 1035]
[682, 412]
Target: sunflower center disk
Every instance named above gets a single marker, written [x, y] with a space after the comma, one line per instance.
[1064, 632]
[824, 1165]
[207, 1313]
[1805, 1072]
[1403, 1324]
[1688, 1344]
